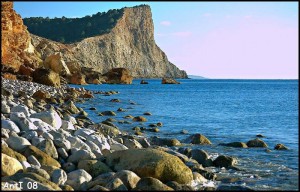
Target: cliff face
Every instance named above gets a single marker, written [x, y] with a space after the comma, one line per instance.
[130, 44]
[16, 48]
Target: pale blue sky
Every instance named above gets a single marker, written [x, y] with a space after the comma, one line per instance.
[212, 39]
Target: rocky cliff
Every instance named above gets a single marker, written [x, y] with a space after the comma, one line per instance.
[130, 44]
[16, 47]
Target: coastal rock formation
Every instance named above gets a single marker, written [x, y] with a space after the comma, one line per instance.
[46, 77]
[56, 63]
[16, 47]
[130, 44]
[118, 76]
[169, 81]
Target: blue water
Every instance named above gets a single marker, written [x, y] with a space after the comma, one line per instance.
[224, 111]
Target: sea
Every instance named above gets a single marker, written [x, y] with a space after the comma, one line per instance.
[224, 111]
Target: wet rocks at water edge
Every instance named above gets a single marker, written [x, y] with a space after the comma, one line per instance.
[280, 147]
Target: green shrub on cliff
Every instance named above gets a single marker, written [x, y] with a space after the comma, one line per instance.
[70, 30]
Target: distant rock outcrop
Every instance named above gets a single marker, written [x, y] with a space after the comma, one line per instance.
[130, 44]
[16, 47]
[169, 81]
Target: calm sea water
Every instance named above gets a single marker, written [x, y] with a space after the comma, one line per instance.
[224, 111]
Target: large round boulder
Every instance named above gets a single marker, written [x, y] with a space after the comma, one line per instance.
[150, 163]
[224, 161]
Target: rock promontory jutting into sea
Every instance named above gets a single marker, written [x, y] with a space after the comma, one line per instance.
[127, 43]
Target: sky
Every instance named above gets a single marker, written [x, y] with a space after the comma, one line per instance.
[222, 40]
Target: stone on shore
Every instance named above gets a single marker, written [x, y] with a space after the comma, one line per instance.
[46, 77]
[41, 156]
[93, 167]
[197, 139]
[59, 176]
[129, 178]
[116, 184]
[78, 179]
[256, 143]
[48, 147]
[81, 155]
[51, 117]
[10, 125]
[10, 152]
[9, 165]
[201, 157]
[17, 143]
[118, 76]
[151, 184]
[23, 122]
[150, 163]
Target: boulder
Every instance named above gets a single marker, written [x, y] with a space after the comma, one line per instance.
[93, 167]
[23, 122]
[25, 70]
[256, 143]
[118, 76]
[280, 147]
[9, 165]
[20, 108]
[41, 156]
[10, 125]
[17, 143]
[116, 184]
[165, 141]
[10, 152]
[224, 161]
[78, 179]
[108, 113]
[150, 163]
[46, 77]
[129, 178]
[59, 176]
[48, 147]
[56, 63]
[144, 82]
[107, 130]
[151, 184]
[33, 161]
[132, 144]
[139, 118]
[70, 106]
[169, 81]
[235, 144]
[77, 79]
[39, 171]
[51, 117]
[81, 155]
[197, 139]
[201, 157]
[179, 187]
[39, 94]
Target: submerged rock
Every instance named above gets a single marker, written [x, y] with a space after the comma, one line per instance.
[280, 147]
[256, 143]
[197, 139]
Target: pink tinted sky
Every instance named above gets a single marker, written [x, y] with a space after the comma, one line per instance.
[252, 43]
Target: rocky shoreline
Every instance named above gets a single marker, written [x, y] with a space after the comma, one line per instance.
[48, 143]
